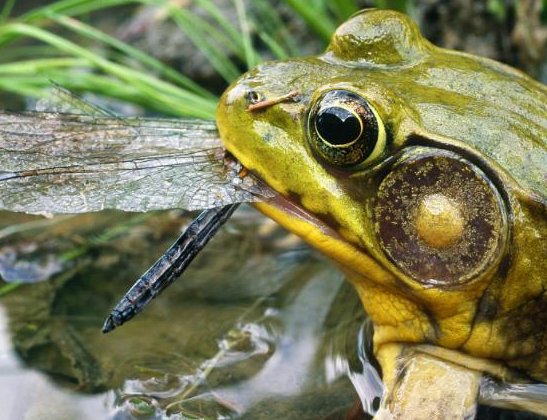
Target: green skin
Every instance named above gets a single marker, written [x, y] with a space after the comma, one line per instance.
[429, 99]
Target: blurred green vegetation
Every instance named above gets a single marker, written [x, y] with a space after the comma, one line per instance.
[65, 43]
[58, 43]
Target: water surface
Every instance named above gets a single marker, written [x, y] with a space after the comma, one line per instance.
[261, 327]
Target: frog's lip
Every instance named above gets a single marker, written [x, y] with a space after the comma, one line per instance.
[316, 232]
[295, 211]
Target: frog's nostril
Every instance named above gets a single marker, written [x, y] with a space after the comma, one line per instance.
[253, 97]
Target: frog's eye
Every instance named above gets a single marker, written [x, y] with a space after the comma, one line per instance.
[345, 130]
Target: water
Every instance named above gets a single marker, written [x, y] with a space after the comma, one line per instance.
[261, 327]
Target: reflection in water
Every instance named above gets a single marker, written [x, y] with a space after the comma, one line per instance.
[30, 395]
[367, 382]
[13, 268]
[286, 372]
[260, 328]
[525, 397]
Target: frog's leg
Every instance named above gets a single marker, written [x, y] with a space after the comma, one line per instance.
[420, 386]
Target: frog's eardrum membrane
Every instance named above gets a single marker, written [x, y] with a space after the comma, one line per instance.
[345, 130]
[439, 218]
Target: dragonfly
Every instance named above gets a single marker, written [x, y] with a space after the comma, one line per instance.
[87, 160]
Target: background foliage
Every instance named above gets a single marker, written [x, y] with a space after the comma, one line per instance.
[175, 57]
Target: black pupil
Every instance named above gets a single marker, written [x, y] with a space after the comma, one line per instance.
[338, 126]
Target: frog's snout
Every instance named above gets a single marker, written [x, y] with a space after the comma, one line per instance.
[232, 118]
[238, 94]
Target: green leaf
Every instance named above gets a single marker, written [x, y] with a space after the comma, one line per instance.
[316, 17]
[10, 287]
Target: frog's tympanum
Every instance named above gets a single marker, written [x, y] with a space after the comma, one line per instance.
[422, 173]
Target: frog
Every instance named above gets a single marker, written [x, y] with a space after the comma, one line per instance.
[421, 172]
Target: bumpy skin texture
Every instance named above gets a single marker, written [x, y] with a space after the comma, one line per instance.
[432, 101]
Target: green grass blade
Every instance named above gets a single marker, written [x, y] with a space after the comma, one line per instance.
[22, 86]
[6, 11]
[207, 31]
[216, 56]
[343, 8]
[198, 31]
[92, 33]
[39, 65]
[316, 17]
[250, 55]
[23, 52]
[277, 49]
[181, 100]
[273, 26]
[37, 86]
[38, 17]
[9, 287]
[223, 22]
[71, 8]
[399, 5]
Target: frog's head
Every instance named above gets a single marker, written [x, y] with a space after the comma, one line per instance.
[421, 171]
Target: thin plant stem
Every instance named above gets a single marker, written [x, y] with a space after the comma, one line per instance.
[6, 10]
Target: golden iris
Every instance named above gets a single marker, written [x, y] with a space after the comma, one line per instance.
[345, 130]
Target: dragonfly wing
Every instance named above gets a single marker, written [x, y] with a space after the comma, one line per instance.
[54, 163]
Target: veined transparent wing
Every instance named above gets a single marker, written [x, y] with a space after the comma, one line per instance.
[68, 163]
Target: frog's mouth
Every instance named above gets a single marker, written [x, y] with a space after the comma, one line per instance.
[293, 211]
[318, 234]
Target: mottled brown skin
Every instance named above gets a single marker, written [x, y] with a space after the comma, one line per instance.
[490, 305]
